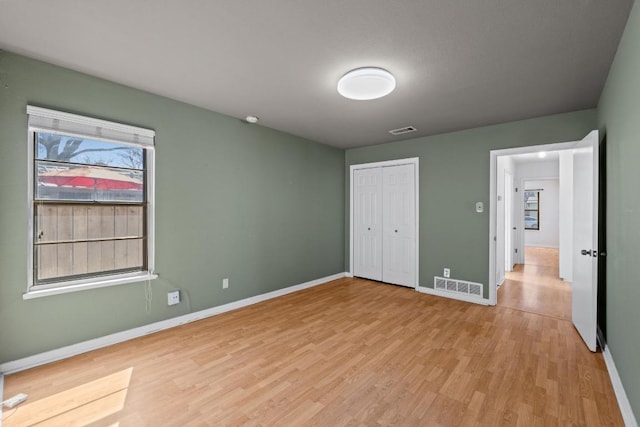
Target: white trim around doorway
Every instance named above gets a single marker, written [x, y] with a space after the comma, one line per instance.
[493, 170]
[409, 161]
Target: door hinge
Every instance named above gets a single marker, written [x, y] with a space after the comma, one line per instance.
[516, 189]
[516, 251]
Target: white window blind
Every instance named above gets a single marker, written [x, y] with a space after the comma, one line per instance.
[73, 124]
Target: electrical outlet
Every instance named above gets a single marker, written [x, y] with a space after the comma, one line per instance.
[447, 273]
[225, 283]
[173, 297]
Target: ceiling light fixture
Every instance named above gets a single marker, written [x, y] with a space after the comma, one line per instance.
[252, 119]
[542, 155]
[366, 83]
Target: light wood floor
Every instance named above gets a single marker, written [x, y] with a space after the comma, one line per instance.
[536, 286]
[349, 352]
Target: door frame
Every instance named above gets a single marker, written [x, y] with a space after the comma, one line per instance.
[415, 161]
[493, 202]
[508, 225]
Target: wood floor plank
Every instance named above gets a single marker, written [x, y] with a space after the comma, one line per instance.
[349, 352]
[99, 395]
[536, 286]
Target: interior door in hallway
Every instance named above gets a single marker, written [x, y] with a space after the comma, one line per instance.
[367, 223]
[399, 225]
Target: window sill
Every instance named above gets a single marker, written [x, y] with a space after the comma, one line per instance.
[94, 284]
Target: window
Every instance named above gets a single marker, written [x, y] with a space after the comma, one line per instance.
[532, 210]
[91, 202]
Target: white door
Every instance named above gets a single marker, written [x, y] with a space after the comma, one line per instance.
[518, 223]
[508, 221]
[399, 225]
[585, 239]
[367, 223]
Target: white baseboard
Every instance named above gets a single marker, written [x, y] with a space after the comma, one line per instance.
[623, 401]
[452, 295]
[96, 343]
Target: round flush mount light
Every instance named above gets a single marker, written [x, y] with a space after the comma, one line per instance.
[366, 83]
[252, 119]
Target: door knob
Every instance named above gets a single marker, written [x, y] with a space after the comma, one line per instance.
[585, 252]
[369, 228]
[396, 231]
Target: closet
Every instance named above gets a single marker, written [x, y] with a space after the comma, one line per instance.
[384, 223]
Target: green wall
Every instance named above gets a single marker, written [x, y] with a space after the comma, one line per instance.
[454, 175]
[261, 207]
[619, 121]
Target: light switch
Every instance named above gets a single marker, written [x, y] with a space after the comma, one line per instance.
[479, 207]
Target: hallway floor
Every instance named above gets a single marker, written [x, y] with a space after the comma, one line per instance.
[536, 287]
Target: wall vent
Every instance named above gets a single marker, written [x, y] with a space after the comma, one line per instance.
[458, 286]
[403, 130]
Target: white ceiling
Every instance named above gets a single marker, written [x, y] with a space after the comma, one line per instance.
[458, 63]
[534, 158]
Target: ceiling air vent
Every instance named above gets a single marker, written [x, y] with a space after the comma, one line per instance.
[403, 130]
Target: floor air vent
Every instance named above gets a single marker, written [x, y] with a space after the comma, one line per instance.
[458, 286]
[403, 130]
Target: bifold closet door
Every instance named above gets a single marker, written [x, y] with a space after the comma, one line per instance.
[367, 223]
[399, 225]
[384, 224]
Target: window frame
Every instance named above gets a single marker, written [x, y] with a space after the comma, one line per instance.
[536, 210]
[104, 131]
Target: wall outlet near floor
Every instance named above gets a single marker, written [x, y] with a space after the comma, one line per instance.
[225, 283]
[173, 297]
[447, 273]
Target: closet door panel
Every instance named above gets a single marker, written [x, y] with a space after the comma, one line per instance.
[367, 223]
[398, 215]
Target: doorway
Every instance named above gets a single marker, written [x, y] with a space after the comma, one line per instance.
[531, 280]
[583, 227]
[523, 164]
[530, 277]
